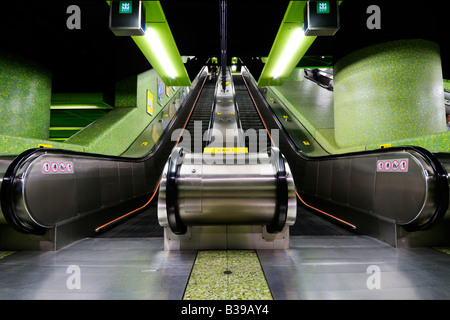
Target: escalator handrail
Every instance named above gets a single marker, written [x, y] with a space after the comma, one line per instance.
[6, 193]
[238, 113]
[213, 113]
[173, 213]
[281, 208]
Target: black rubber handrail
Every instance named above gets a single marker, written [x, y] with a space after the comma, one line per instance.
[6, 194]
[213, 113]
[173, 212]
[279, 219]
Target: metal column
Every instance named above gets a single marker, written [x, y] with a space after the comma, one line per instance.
[223, 40]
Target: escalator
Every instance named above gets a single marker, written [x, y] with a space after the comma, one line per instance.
[349, 189]
[359, 191]
[250, 120]
[384, 193]
[308, 222]
[256, 140]
[88, 190]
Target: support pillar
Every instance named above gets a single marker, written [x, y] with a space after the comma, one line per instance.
[25, 97]
[389, 91]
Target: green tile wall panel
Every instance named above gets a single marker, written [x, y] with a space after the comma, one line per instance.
[126, 93]
[113, 133]
[25, 97]
[313, 107]
[94, 136]
[439, 142]
[11, 145]
[390, 91]
[447, 85]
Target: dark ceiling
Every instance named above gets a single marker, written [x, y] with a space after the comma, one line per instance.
[252, 25]
[92, 59]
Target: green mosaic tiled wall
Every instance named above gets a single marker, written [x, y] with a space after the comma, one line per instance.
[389, 91]
[447, 85]
[111, 134]
[25, 97]
[126, 93]
[115, 132]
[11, 146]
[439, 142]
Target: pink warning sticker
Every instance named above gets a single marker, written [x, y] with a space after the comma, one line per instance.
[57, 167]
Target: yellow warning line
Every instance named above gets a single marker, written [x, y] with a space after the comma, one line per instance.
[45, 146]
[226, 150]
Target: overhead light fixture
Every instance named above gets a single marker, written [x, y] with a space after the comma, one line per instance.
[289, 52]
[156, 45]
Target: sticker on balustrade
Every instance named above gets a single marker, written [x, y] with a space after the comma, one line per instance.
[57, 167]
[392, 165]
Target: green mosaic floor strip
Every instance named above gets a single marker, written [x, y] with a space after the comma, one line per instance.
[5, 253]
[443, 249]
[227, 275]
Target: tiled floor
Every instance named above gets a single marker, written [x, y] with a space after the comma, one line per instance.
[354, 268]
[103, 268]
[315, 267]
